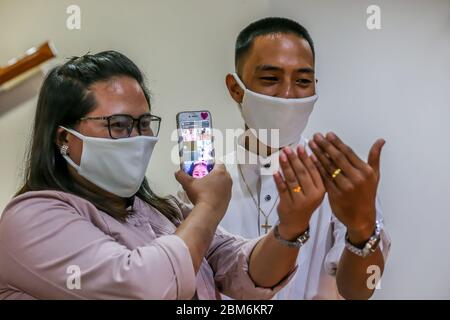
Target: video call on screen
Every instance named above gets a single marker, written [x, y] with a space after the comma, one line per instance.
[197, 152]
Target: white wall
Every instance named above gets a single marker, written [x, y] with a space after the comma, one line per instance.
[391, 83]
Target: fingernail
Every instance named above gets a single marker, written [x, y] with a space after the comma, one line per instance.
[318, 137]
[312, 144]
[283, 157]
[300, 150]
[287, 150]
[313, 157]
[331, 135]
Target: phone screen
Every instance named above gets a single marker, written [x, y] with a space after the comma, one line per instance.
[196, 143]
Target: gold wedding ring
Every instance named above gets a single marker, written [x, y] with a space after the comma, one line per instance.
[297, 189]
[336, 173]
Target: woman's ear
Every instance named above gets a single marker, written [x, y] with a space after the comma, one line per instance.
[61, 137]
[234, 89]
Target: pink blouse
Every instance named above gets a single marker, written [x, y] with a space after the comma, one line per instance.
[55, 245]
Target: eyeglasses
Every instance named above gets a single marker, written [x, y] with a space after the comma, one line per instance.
[121, 125]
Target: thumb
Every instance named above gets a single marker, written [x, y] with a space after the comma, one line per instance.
[183, 178]
[375, 155]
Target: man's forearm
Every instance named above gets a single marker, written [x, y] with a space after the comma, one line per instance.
[271, 261]
[352, 274]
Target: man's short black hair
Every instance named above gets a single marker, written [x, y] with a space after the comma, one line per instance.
[270, 25]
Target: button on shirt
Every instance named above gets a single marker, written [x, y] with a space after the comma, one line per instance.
[319, 257]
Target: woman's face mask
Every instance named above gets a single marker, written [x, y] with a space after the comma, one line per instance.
[115, 165]
[264, 114]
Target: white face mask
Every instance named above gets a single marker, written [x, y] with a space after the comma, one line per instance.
[266, 113]
[115, 165]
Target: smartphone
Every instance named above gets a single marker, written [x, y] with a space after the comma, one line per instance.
[195, 142]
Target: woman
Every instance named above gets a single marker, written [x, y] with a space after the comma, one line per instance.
[199, 169]
[86, 225]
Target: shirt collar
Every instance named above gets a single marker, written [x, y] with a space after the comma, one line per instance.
[250, 162]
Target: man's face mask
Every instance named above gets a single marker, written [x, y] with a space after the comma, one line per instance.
[115, 165]
[265, 113]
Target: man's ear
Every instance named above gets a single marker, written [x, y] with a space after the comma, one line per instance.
[236, 92]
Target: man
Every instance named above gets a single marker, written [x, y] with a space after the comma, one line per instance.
[275, 87]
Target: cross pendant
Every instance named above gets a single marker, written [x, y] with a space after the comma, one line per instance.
[266, 226]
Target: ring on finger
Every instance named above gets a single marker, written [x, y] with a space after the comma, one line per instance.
[336, 173]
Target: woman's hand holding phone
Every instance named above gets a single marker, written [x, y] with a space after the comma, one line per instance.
[213, 190]
[210, 196]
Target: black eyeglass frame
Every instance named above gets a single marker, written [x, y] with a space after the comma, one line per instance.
[138, 120]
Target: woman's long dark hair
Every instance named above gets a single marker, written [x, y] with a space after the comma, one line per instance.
[64, 99]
